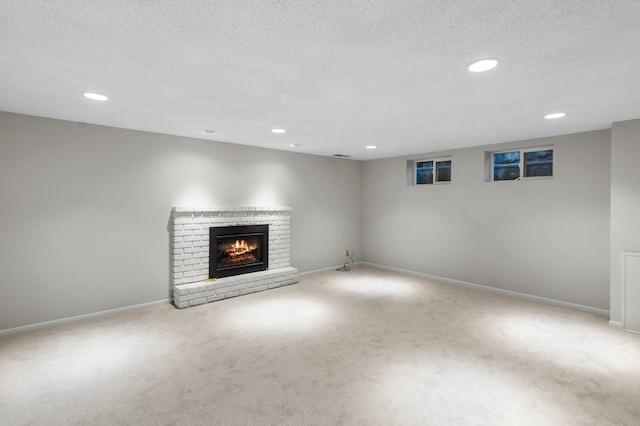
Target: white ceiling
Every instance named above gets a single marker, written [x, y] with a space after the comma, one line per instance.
[338, 75]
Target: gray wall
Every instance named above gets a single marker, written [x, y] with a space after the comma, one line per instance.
[546, 238]
[625, 203]
[85, 210]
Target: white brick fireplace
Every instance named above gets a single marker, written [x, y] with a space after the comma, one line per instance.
[190, 253]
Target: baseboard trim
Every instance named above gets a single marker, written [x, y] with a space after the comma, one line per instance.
[330, 268]
[78, 318]
[615, 324]
[574, 306]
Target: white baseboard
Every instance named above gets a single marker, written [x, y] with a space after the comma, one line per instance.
[330, 268]
[78, 318]
[597, 311]
[615, 324]
[54, 323]
[589, 309]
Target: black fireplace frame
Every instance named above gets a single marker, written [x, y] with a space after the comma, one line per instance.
[231, 231]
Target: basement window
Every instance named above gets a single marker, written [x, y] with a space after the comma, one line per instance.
[521, 164]
[431, 171]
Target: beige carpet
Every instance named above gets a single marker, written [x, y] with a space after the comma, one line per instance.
[365, 347]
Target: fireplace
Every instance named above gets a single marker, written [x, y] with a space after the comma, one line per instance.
[235, 250]
[192, 255]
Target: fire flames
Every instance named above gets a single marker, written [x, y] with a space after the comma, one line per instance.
[239, 253]
[239, 248]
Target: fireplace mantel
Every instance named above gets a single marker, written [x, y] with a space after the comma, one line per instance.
[190, 253]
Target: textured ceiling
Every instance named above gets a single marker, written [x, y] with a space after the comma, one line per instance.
[338, 75]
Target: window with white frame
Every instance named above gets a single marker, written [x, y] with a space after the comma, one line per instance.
[433, 171]
[522, 164]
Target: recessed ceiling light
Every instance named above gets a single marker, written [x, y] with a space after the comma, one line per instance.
[209, 132]
[95, 96]
[555, 115]
[294, 145]
[482, 65]
[278, 130]
[371, 147]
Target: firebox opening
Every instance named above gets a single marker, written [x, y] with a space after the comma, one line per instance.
[239, 250]
[235, 250]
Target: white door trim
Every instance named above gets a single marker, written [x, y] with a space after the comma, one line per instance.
[623, 290]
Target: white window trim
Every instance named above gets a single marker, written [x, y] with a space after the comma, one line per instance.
[520, 165]
[435, 177]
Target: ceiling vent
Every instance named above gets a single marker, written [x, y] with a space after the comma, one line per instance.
[341, 155]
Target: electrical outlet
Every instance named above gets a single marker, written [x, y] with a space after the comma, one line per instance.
[346, 253]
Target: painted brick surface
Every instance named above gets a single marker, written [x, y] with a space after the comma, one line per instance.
[190, 253]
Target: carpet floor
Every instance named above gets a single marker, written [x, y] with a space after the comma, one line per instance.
[364, 347]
